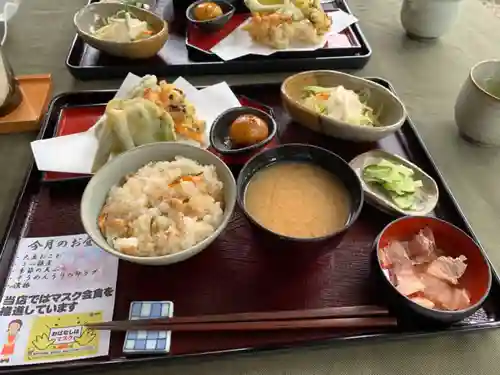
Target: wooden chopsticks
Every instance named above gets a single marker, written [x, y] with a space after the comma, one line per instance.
[334, 317]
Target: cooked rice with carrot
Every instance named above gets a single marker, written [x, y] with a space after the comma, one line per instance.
[163, 208]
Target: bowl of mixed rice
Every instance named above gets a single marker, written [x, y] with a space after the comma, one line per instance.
[159, 204]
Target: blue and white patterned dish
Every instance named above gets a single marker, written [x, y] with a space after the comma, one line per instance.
[148, 342]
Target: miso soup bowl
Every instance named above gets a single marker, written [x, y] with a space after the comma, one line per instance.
[295, 152]
[453, 242]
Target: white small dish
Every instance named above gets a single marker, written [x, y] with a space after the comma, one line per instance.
[428, 193]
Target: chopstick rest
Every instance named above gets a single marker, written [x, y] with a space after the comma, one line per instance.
[148, 341]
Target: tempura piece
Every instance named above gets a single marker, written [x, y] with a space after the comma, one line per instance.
[173, 101]
[153, 112]
[278, 26]
[314, 12]
[288, 8]
[274, 30]
[128, 124]
[305, 32]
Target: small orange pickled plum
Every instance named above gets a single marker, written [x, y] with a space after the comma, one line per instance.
[247, 130]
[207, 11]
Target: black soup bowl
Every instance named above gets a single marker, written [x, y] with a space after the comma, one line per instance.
[296, 152]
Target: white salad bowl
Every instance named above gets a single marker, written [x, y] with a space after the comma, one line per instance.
[428, 194]
[113, 173]
[388, 108]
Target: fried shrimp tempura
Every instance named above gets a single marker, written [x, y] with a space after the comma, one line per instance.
[320, 21]
[313, 11]
[274, 29]
[297, 20]
[278, 30]
[183, 112]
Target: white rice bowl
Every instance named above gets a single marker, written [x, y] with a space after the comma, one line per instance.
[164, 208]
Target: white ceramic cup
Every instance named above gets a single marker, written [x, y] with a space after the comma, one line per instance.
[8, 8]
[428, 19]
[477, 109]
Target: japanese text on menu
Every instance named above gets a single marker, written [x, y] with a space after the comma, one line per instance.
[55, 286]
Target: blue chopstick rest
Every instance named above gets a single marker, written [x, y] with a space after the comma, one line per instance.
[148, 342]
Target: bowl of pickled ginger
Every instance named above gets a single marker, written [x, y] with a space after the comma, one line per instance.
[343, 106]
[121, 29]
[432, 268]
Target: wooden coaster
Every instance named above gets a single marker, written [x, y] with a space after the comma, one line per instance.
[36, 90]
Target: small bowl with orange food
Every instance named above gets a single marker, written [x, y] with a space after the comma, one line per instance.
[432, 269]
[241, 132]
[210, 15]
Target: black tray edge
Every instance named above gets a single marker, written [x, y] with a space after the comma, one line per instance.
[87, 365]
[212, 68]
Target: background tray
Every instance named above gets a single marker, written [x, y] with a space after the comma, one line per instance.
[85, 62]
[198, 43]
[262, 278]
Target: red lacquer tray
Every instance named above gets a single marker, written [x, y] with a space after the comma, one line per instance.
[200, 42]
[262, 277]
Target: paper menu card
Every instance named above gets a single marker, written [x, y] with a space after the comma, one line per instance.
[55, 285]
[75, 153]
[239, 43]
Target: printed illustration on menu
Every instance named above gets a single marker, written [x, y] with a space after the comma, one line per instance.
[9, 346]
[55, 286]
[62, 336]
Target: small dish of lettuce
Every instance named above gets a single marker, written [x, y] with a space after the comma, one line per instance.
[396, 180]
[394, 184]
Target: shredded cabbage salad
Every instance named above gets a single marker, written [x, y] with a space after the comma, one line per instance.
[341, 104]
[123, 27]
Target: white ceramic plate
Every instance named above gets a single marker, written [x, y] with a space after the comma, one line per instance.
[428, 193]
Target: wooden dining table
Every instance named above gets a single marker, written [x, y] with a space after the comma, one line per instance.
[426, 75]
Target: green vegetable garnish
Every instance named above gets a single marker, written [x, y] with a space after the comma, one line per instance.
[397, 182]
[316, 89]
